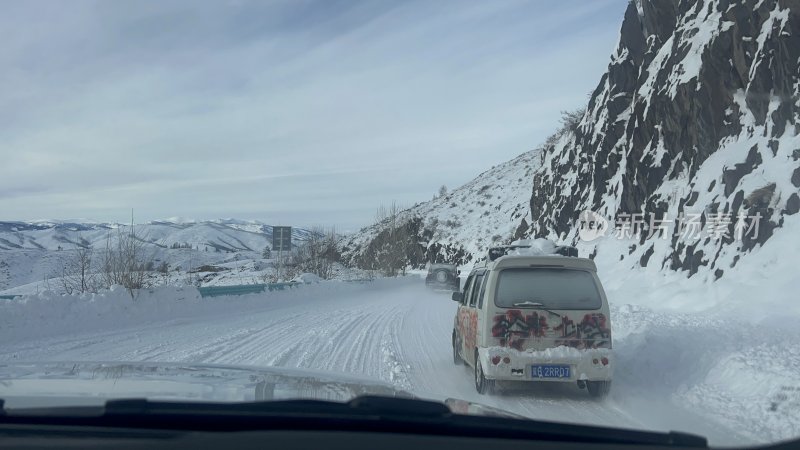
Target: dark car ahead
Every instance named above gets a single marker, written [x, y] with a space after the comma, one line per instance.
[443, 277]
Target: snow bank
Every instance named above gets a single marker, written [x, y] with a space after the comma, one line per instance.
[727, 348]
[307, 278]
[549, 354]
[763, 285]
[50, 314]
[741, 374]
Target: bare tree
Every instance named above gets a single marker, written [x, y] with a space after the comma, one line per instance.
[283, 267]
[571, 119]
[381, 213]
[125, 261]
[390, 255]
[569, 123]
[77, 275]
[163, 270]
[318, 254]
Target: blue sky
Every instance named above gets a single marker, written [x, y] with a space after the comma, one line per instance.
[294, 112]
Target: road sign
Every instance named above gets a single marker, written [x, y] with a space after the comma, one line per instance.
[281, 239]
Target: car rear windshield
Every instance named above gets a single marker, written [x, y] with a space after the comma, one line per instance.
[546, 288]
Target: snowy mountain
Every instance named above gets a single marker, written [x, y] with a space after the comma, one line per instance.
[697, 119]
[226, 235]
[33, 252]
[698, 115]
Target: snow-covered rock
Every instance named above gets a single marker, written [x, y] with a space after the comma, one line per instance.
[698, 115]
[307, 278]
[460, 226]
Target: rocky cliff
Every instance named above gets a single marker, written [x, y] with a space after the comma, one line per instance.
[698, 115]
[695, 126]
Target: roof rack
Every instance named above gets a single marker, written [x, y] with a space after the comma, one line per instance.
[563, 250]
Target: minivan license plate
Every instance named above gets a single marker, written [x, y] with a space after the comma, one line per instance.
[550, 371]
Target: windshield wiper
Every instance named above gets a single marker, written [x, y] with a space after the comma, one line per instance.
[530, 304]
[527, 303]
[374, 405]
[362, 414]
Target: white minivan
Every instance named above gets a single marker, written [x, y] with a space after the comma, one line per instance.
[537, 318]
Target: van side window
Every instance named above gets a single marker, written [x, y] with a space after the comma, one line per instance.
[483, 290]
[468, 289]
[473, 297]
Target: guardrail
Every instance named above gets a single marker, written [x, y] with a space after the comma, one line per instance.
[239, 289]
[244, 289]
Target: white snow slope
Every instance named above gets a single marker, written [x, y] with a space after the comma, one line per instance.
[687, 371]
[485, 211]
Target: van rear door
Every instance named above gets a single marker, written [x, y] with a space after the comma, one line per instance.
[536, 308]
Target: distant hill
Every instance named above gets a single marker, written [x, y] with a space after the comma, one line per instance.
[32, 252]
[227, 235]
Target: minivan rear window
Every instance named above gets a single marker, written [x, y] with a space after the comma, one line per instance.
[546, 288]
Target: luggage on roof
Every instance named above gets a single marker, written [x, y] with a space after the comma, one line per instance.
[532, 247]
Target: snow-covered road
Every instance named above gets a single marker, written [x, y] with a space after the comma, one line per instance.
[398, 333]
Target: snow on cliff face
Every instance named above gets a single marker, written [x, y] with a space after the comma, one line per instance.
[698, 114]
[696, 119]
[460, 226]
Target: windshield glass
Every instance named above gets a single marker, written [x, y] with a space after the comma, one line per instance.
[243, 200]
[546, 288]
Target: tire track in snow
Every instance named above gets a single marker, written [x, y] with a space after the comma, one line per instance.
[400, 335]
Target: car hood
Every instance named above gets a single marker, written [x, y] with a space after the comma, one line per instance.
[53, 384]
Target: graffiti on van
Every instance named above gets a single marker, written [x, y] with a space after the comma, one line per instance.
[513, 328]
[591, 332]
[468, 327]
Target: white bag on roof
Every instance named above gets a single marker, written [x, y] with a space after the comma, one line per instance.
[535, 247]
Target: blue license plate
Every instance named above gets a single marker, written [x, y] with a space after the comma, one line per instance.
[550, 371]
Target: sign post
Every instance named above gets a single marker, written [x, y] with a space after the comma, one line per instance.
[281, 241]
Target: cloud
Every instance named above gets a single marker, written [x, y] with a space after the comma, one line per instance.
[298, 111]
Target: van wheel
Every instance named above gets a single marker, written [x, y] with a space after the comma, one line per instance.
[482, 385]
[456, 357]
[598, 389]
